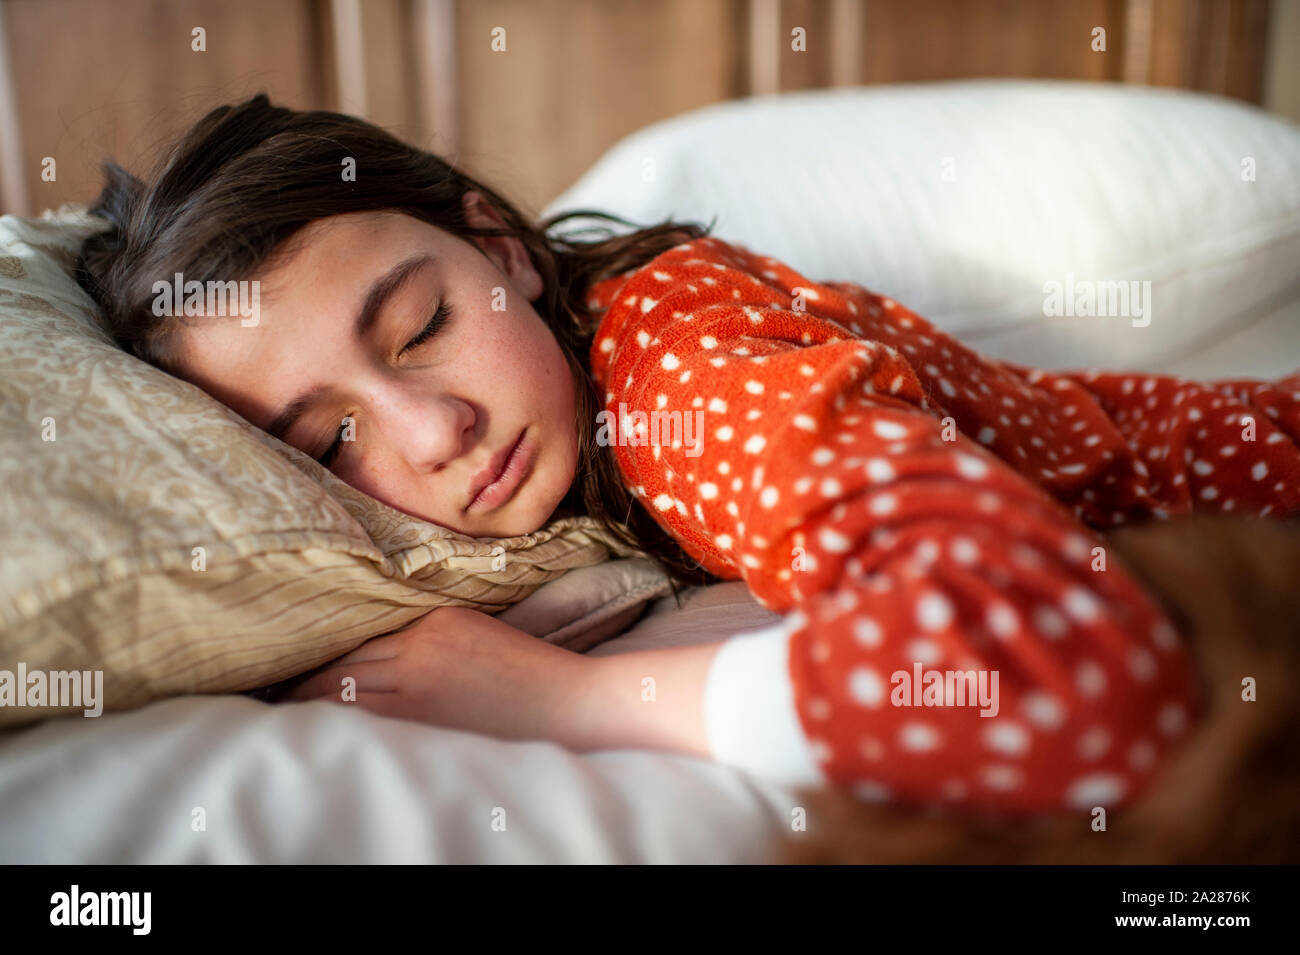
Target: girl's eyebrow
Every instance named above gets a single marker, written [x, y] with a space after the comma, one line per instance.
[383, 289]
[282, 422]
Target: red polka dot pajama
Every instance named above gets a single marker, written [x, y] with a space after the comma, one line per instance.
[923, 517]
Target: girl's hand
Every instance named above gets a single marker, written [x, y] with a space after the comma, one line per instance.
[461, 669]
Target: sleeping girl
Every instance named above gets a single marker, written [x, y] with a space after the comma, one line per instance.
[925, 519]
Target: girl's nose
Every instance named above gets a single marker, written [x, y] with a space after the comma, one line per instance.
[429, 430]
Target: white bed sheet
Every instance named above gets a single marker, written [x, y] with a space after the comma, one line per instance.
[327, 783]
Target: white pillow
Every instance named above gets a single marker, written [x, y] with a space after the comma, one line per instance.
[963, 200]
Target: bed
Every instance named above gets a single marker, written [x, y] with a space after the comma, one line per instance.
[960, 199]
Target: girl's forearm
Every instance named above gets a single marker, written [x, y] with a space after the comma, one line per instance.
[646, 699]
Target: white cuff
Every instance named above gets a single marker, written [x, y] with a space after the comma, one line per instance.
[749, 713]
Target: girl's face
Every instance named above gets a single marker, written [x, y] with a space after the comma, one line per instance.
[409, 361]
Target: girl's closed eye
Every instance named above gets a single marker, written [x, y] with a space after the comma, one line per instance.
[436, 322]
[439, 318]
[332, 452]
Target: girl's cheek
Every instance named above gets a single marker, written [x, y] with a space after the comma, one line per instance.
[361, 472]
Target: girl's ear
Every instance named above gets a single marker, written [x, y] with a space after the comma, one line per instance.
[509, 254]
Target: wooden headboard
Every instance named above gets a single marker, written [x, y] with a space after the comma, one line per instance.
[527, 93]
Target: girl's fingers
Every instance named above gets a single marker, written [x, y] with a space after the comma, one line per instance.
[372, 651]
[373, 676]
[394, 705]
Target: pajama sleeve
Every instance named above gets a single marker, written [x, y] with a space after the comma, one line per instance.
[951, 631]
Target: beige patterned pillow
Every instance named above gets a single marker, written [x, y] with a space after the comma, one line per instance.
[149, 532]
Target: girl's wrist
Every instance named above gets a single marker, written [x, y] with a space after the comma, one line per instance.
[645, 699]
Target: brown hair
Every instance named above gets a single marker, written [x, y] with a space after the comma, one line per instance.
[1230, 795]
[248, 176]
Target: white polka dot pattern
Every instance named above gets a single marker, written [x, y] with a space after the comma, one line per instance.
[923, 508]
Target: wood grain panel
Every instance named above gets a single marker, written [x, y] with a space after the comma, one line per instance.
[924, 40]
[1248, 27]
[1211, 45]
[119, 79]
[576, 76]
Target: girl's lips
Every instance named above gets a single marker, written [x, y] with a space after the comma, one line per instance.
[512, 475]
